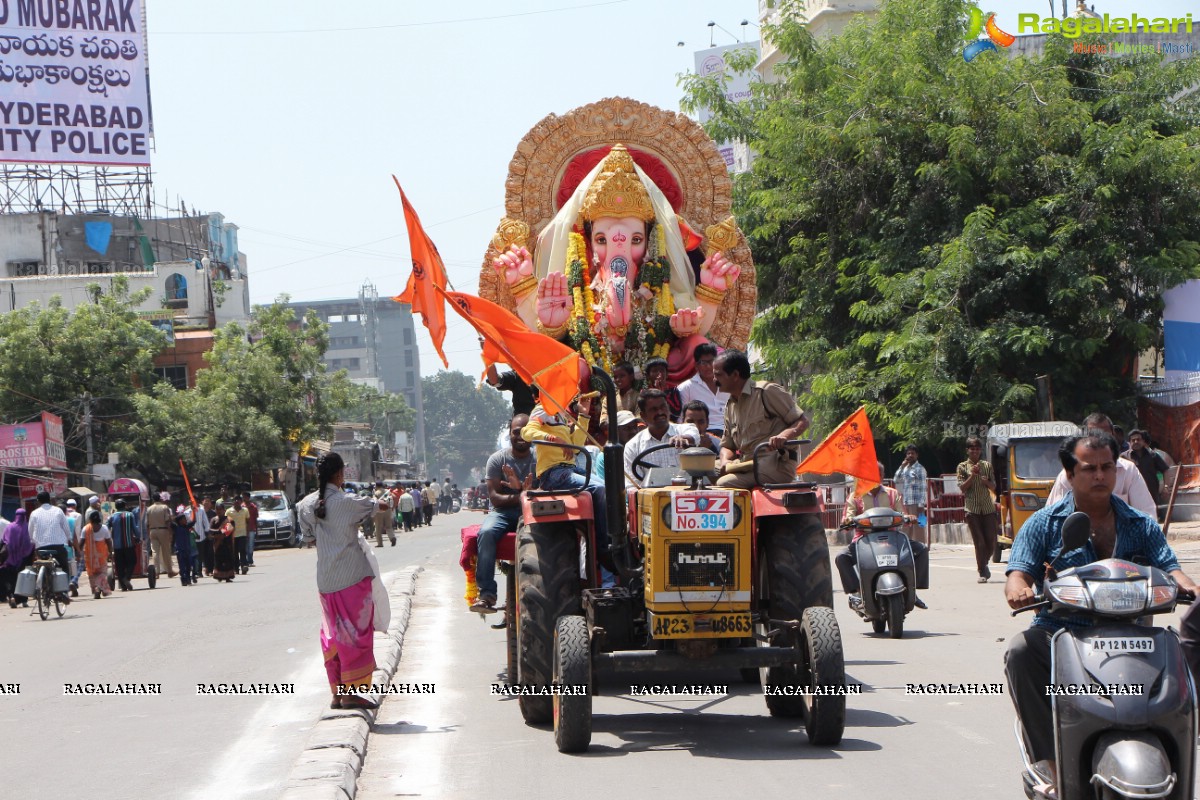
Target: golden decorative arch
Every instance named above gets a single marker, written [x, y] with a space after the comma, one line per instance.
[542, 158]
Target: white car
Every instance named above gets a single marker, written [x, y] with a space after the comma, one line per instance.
[276, 519]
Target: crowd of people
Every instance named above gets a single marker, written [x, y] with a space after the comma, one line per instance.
[214, 539]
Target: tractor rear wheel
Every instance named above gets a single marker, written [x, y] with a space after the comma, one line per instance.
[572, 671]
[825, 715]
[547, 588]
[795, 575]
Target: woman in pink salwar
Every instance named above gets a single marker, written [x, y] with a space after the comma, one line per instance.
[331, 517]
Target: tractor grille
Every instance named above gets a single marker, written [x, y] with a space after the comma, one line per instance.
[707, 564]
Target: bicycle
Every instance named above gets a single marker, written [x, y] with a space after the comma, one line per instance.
[43, 591]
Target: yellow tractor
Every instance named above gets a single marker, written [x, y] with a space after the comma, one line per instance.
[710, 579]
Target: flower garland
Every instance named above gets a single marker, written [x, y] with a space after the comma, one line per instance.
[582, 325]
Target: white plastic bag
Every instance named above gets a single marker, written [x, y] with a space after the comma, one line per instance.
[383, 608]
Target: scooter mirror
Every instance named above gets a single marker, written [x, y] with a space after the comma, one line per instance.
[1076, 531]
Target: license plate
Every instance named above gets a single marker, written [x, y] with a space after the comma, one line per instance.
[702, 510]
[887, 561]
[1123, 644]
[668, 626]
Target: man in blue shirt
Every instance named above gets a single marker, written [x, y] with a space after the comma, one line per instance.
[1118, 531]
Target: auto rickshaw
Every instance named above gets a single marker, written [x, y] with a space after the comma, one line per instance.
[136, 496]
[1024, 457]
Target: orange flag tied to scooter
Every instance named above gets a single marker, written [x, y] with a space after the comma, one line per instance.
[428, 275]
[850, 449]
[536, 358]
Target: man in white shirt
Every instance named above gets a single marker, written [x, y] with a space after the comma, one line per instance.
[655, 412]
[49, 530]
[703, 386]
[1131, 486]
[75, 523]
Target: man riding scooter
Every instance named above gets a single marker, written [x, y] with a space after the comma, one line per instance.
[879, 497]
[1118, 531]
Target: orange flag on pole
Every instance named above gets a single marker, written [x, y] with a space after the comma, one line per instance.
[850, 449]
[539, 360]
[188, 484]
[428, 275]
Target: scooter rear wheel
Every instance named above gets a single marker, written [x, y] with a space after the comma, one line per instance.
[878, 625]
[895, 615]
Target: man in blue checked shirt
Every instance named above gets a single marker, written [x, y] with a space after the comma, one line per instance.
[1118, 531]
[910, 480]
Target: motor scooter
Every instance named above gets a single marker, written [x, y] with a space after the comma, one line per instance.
[887, 572]
[1123, 698]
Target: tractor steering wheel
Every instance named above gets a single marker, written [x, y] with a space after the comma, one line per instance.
[640, 461]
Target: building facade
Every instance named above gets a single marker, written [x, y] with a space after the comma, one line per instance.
[374, 339]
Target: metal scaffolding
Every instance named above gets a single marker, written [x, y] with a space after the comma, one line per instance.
[75, 189]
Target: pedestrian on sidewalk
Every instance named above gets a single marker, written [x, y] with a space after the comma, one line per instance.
[428, 502]
[344, 578]
[418, 497]
[96, 539]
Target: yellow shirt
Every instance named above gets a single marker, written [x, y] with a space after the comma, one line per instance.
[541, 427]
[239, 520]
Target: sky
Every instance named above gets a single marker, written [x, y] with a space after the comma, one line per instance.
[290, 117]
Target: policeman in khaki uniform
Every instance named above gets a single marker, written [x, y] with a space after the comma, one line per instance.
[756, 413]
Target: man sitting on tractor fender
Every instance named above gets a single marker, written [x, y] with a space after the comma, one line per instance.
[756, 413]
[555, 466]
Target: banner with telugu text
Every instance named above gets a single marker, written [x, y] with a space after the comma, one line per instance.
[73, 82]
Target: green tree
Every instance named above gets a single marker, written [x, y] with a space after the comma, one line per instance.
[72, 363]
[462, 422]
[388, 412]
[264, 392]
[217, 437]
[932, 234]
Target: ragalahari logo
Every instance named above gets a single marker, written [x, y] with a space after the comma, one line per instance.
[995, 36]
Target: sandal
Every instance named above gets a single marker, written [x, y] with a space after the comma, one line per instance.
[355, 701]
[484, 604]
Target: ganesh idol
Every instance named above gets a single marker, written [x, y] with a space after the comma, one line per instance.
[617, 272]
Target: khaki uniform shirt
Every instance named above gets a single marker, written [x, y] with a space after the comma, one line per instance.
[159, 516]
[761, 411]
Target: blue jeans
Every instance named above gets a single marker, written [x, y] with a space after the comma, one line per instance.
[183, 551]
[495, 525]
[564, 476]
[250, 546]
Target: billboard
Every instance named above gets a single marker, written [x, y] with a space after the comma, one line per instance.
[29, 488]
[737, 90]
[73, 83]
[1181, 330]
[33, 445]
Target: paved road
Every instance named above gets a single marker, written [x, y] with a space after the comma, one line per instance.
[261, 628]
[463, 742]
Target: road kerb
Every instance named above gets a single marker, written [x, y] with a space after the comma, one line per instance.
[332, 760]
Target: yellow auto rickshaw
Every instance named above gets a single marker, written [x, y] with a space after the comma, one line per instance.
[1024, 457]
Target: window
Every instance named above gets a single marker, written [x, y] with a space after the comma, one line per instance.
[176, 289]
[408, 358]
[344, 363]
[408, 336]
[176, 375]
[344, 342]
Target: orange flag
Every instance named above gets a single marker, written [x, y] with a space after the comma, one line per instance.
[850, 449]
[428, 276]
[538, 359]
[188, 484]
